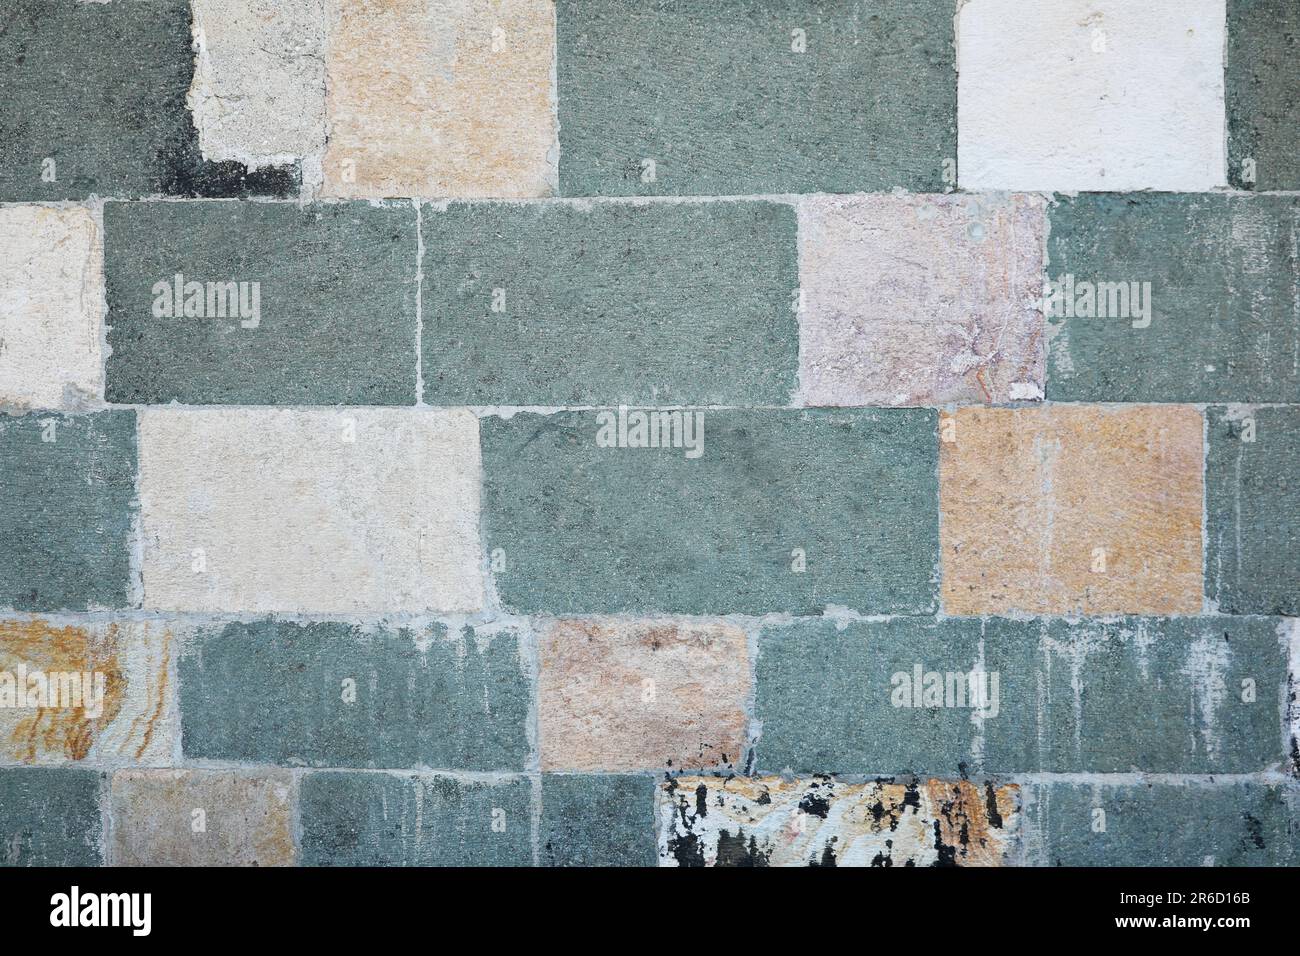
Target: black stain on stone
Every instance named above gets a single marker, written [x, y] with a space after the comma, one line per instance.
[100, 89]
[912, 796]
[816, 805]
[878, 812]
[1291, 711]
[179, 166]
[1254, 830]
[702, 801]
[947, 855]
[884, 858]
[991, 805]
[827, 858]
[686, 850]
[185, 173]
[735, 851]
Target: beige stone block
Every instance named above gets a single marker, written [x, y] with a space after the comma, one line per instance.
[921, 300]
[639, 695]
[202, 818]
[51, 300]
[99, 693]
[258, 94]
[264, 510]
[1071, 509]
[441, 98]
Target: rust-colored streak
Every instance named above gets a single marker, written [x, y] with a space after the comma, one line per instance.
[160, 696]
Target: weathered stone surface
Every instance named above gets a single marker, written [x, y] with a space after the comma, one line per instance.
[1091, 95]
[1221, 320]
[309, 510]
[1072, 510]
[51, 294]
[1173, 695]
[202, 818]
[995, 696]
[125, 705]
[1263, 94]
[920, 300]
[98, 90]
[383, 819]
[49, 816]
[338, 695]
[325, 296]
[1156, 824]
[755, 97]
[608, 303]
[829, 699]
[1252, 505]
[599, 820]
[67, 494]
[258, 94]
[642, 695]
[779, 511]
[441, 98]
[772, 821]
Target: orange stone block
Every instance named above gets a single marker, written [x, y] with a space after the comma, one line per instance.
[1072, 509]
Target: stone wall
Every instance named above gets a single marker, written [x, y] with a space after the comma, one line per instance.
[642, 432]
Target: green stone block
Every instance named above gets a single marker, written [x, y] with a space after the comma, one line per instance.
[752, 97]
[1158, 824]
[997, 696]
[561, 304]
[339, 695]
[1211, 314]
[878, 697]
[1153, 695]
[49, 816]
[94, 104]
[1262, 94]
[742, 512]
[67, 503]
[326, 308]
[598, 820]
[382, 819]
[1252, 504]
